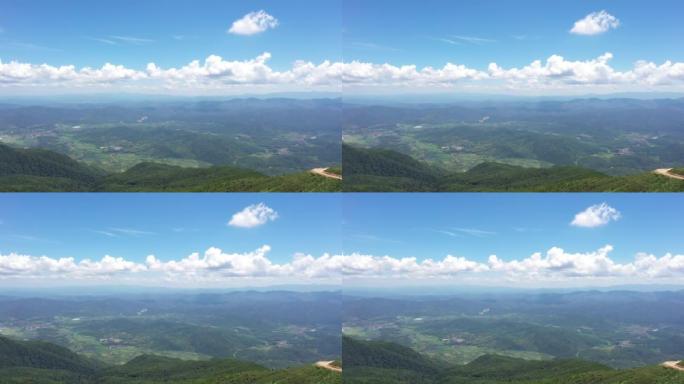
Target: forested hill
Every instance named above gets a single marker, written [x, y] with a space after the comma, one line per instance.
[38, 170]
[382, 170]
[378, 362]
[43, 163]
[45, 363]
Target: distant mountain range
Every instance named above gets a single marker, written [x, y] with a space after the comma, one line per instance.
[40, 170]
[436, 98]
[384, 170]
[44, 363]
[381, 362]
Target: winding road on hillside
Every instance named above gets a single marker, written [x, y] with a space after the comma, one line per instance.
[328, 365]
[668, 172]
[673, 365]
[324, 172]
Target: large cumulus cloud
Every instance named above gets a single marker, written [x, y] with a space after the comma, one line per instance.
[217, 266]
[218, 73]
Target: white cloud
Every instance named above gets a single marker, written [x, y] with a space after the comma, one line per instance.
[359, 265]
[474, 232]
[667, 266]
[555, 73]
[215, 73]
[596, 216]
[216, 70]
[216, 261]
[219, 75]
[132, 40]
[34, 75]
[216, 266]
[595, 23]
[253, 216]
[116, 232]
[557, 70]
[653, 74]
[102, 40]
[473, 39]
[253, 23]
[359, 73]
[553, 266]
[16, 265]
[556, 262]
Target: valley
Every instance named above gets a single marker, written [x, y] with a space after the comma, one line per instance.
[612, 137]
[40, 170]
[46, 363]
[383, 170]
[277, 329]
[382, 362]
[593, 326]
[191, 145]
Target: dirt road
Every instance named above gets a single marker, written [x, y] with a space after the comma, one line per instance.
[667, 172]
[324, 172]
[328, 365]
[673, 365]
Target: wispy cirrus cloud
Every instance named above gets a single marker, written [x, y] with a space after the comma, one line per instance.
[448, 41]
[119, 232]
[183, 37]
[131, 39]
[372, 46]
[474, 232]
[118, 39]
[471, 39]
[102, 40]
[460, 232]
[131, 231]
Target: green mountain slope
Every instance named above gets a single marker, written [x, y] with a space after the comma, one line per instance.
[38, 354]
[42, 170]
[40, 162]
[39, 362]
[387, 163]
[385, 170]
[384, 355]
[37, 170]
[151, 177]
[402, 365]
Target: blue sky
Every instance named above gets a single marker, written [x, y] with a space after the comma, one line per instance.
[61, 225]
[172, 32]
[189, 240]
[177, 47]
[211, 47]
[516, 225]
[169, 226]
[601, 245]
[514, 33]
